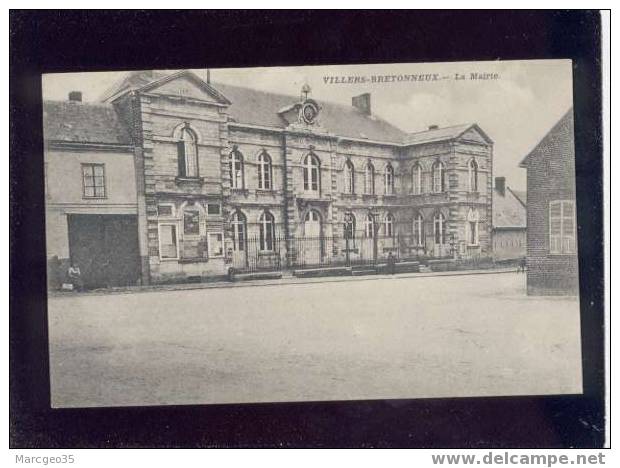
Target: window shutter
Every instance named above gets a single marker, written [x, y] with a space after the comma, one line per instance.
[555, 227]
[181, 157]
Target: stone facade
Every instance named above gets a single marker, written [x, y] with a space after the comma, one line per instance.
[204, 189]
[552, 243]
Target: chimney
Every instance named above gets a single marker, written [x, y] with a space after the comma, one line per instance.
[500, 185]
[362, 103]
[75, 96]
[433, 127]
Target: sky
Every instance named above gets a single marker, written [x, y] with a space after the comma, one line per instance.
[515, 109]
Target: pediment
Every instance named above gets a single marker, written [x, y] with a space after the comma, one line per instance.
[186, 85]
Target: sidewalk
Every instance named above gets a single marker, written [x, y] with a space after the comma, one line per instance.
[287, 278]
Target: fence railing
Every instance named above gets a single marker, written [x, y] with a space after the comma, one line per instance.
[279, 252]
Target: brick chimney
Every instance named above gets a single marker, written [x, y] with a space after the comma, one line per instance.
[362, 103]
[75, 96]
[500, 185]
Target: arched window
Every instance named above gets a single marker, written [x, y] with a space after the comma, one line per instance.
[388, 225]
[264, 171]
[389, 180]
[473, 175]
[472, 227]
[236, 170]
[416, 179]
[349, 226]
[369, 226]
[349, 177]
[369, 179]
[439, 177]
[266, 226]
[187, 153]
[418, 230]
[239, 229]
[439, 224]
[312, 174]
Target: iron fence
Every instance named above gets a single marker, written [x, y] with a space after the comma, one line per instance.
[277, 253]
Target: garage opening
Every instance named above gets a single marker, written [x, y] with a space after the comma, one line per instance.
[105, 247]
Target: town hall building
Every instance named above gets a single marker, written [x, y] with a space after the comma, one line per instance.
[172, 178]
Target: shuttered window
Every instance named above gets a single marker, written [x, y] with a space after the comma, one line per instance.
[562, 227]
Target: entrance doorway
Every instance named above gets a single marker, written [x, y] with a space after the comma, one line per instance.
[105, 248]
[313, 242]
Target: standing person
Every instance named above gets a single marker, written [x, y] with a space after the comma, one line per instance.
[522, 265]
[391, 263]
[75, 277]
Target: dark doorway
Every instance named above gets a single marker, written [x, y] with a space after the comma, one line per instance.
[105, 247]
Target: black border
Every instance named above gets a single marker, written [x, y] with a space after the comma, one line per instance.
[55, 41]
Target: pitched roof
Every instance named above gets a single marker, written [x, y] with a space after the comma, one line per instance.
[254, 107]
[262, 108]
[566, 119]
[444, 133]
[508, 210]
[70, 121]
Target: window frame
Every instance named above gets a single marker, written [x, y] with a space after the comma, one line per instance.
[439, 166]
[264, 162]
[349, 177]
[239, 219]
[103, 176]
[473, 172]
[572, 237]
[311, 167]
[418, 230]
[369, 226]
[172, 210]
[369, 179]
[389, 225]
[416, 179]
[236, 157]
[193, 144]
[262, 231]
[439, 219]
[389, 181]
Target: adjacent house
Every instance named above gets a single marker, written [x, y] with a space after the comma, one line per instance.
[551, 213]
[203, 177]
[509, 223]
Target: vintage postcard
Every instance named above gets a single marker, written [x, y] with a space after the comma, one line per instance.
[311, 233]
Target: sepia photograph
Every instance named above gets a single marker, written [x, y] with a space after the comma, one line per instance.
[311, 233]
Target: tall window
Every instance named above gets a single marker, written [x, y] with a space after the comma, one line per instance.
[369, 179]
[349, 177]
[187, 153]
[562, 227]
[389, 180]
[349, 226]
[388, 225]
[472, 227]
[236, 170]
[264, 171]
[93, 180]
[418, 230]
[239, 228]
[168, 241]
[312, 175]
[266, 231]
[440, 229]
[369, 226]
[473, 176]
[439, 176]
[416, 180]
